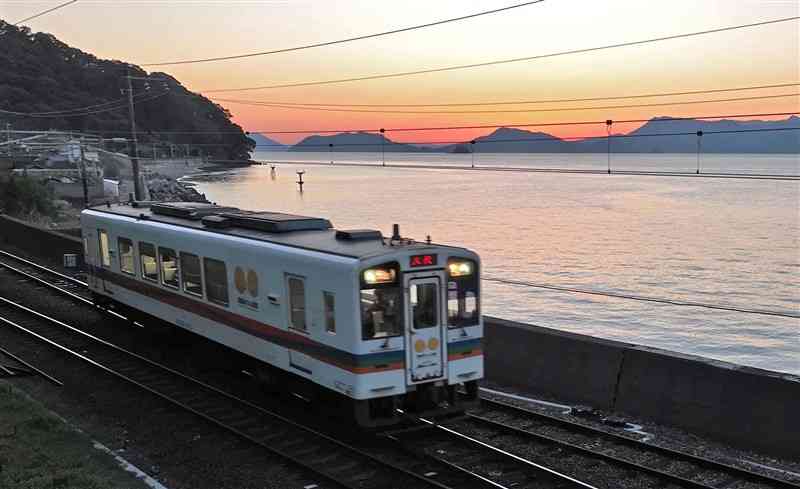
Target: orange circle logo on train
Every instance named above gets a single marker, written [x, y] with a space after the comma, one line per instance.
[240, 280]
[252, 283]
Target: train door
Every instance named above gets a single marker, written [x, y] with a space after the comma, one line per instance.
[103, 262]
[425, 323]
[90, 255]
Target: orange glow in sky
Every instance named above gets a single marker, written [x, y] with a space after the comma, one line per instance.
[160, 30]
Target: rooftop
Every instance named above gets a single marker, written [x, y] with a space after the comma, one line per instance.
[311, 233]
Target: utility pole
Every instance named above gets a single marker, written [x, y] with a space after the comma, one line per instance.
[137, 186]
[83, 177]
[8, 138]
[383, 152]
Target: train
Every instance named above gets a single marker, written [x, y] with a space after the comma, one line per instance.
[378, 327]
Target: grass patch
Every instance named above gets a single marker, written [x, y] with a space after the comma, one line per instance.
[39, 451]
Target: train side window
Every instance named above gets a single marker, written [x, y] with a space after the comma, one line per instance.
[330, 311]
[216, 281]
[297, 303]
[191, 275]
[105, 252]
[126, 256]
[147, 257]
[169, 267]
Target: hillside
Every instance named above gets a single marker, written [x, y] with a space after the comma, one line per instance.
[39, 73]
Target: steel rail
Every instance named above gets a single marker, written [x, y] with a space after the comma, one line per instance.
[597, 433]
[429, 482]
[53, 286]
[32, 368]
[449, 465]
[44, 269]
[556, 476]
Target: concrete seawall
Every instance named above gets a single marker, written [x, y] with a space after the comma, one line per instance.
[743, 406]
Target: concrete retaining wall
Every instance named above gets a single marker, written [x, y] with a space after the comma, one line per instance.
[746, 407]
[39, 241]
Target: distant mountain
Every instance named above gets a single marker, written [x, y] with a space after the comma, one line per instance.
[654, 137]
[353, 142]
[263, 143]
[511, 140]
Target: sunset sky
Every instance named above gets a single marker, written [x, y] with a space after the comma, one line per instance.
[146, 31]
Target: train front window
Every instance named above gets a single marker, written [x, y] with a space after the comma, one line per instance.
[462, 294]
[381, 314]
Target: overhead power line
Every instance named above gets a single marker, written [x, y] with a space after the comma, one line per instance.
[346, 40]
[542, 101]
[504, 111]
[490, 126]
[75, 109]
[506, 61]
[45, 12]
[86, 110]
[479, 141]
[660, 300]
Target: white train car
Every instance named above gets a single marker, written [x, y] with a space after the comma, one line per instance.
[389, 325]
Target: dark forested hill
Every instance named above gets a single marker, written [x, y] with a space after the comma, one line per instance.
[40, 74]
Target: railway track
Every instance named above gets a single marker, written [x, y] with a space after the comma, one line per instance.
[546, 433]
[339, 463]
[457, 450]
[58, 281]
[12, 365]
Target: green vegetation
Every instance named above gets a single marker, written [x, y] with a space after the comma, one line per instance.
[38, 450]
[39, 73]
[26, 198]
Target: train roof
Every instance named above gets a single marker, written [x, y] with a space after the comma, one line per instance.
[311, 233]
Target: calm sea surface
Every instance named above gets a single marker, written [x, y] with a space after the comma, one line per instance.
[722, 241]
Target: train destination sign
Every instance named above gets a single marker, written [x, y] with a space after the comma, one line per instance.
[422, 260]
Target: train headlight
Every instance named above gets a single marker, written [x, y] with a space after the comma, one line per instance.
[379, 276]
[460, 268]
